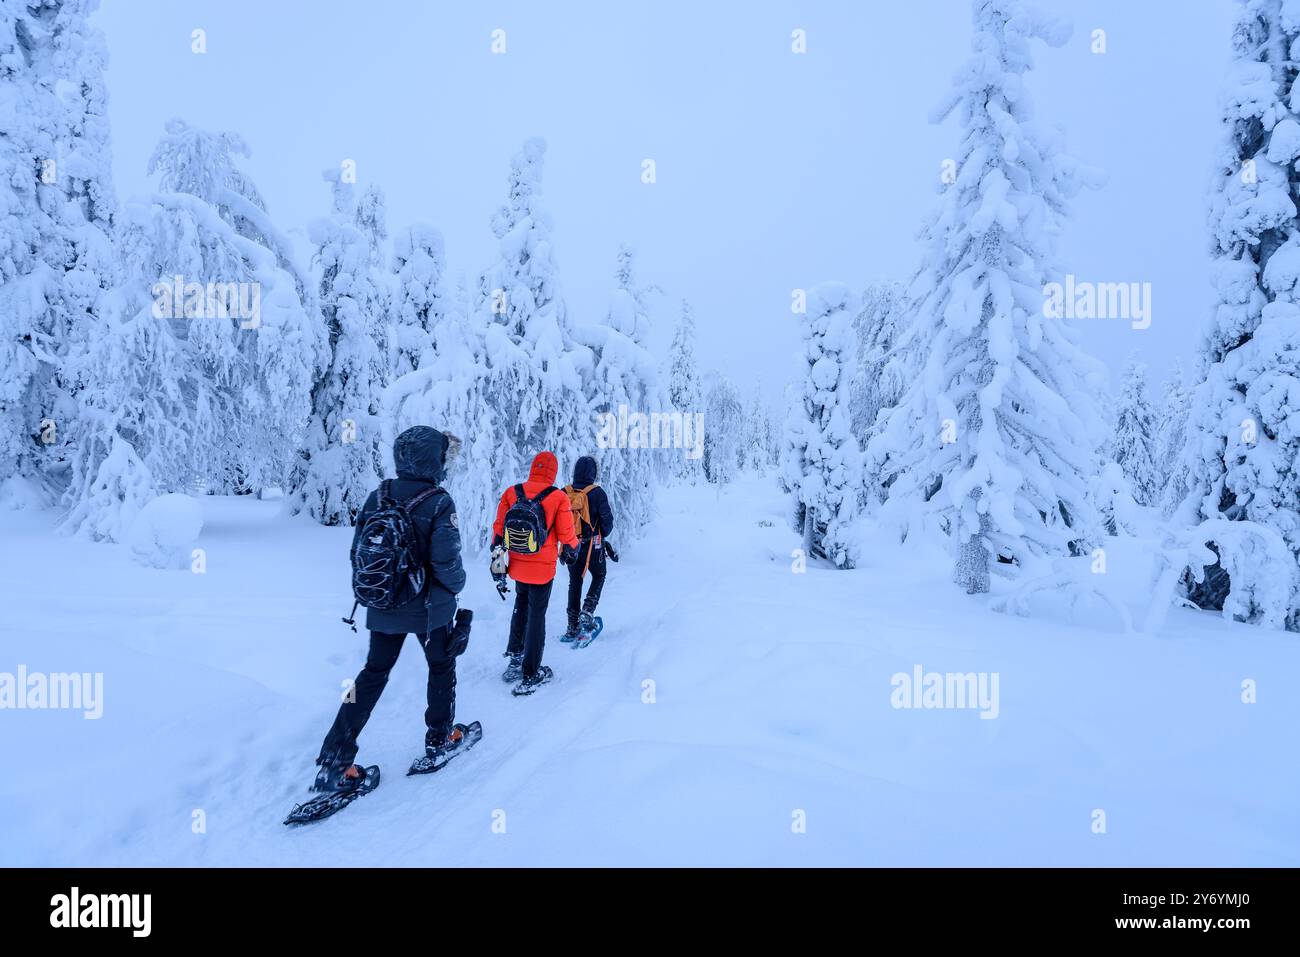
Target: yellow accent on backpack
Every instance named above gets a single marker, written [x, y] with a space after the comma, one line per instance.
[528, 545]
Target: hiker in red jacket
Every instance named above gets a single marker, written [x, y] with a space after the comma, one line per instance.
[533, 525]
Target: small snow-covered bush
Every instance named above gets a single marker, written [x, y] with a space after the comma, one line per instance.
[164, 533]
[18, 493]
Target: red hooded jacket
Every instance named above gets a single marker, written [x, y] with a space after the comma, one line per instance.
[540, 568]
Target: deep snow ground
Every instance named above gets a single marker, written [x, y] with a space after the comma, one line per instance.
[771, 697]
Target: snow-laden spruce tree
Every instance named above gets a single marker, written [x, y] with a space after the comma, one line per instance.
[1108, 411]
[84, 177]
[1243, 451]
[198, 163]
[238, 297]
[82, 170]
[28, 227]
[1135, 440]
[143, 425]
[56, 210]
[1112, 492]
[372, 220]
[624, 386]
[203, 358]
[821, 461]
[888, 361]
[343, 456]
[448, 390]
[724, 427]
[536, 369]
[757, 450]
[1171, 432]
[996, 438]
[419, 300]
[881, 375]
[78, 59]
[685, 391]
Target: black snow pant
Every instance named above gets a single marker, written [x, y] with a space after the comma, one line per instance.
[594, 562]
[528, 624]
[340, 745]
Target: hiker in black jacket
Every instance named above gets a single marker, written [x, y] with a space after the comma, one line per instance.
[593, 520]
[421, 456]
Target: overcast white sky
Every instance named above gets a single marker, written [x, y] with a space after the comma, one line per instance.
[775, 170]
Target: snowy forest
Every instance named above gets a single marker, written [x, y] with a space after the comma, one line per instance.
[193, 380]
[177, 343]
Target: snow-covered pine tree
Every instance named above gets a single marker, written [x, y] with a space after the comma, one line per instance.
[685, 392]
[372, 220]
[448, 388]
[756, 447]
[343, 456]
[142, 426]
[78, 60]
[1108, 410]
[1243, 452]
[1171, 432]
[822, 462]
[84, 175]
[888, 360]
[1135, 434]
[624, 383]
[536, 369]
[997, 436]
[773, 441]
[724, 426]
[881, 375]
[56, 209]
[211, 297]
[208, 234]
[419, 262]
[28, 227]
[1112, 492]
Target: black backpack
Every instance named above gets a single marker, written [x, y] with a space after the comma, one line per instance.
[388, 560]
[525, 523]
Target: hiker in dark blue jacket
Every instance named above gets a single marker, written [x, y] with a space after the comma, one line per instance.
[593, 520]
[421, 456]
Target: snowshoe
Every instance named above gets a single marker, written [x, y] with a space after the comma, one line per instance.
[529, 685]
[462, 738]
[340, 790]
[515, 670]
[570, 634]
[588, 628]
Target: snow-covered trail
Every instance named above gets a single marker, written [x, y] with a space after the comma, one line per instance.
[728, 701]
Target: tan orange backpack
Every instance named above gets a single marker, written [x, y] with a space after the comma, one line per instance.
[581, 507]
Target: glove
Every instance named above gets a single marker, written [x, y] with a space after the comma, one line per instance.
[568, 554]
[609, 550]
[458, 637]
